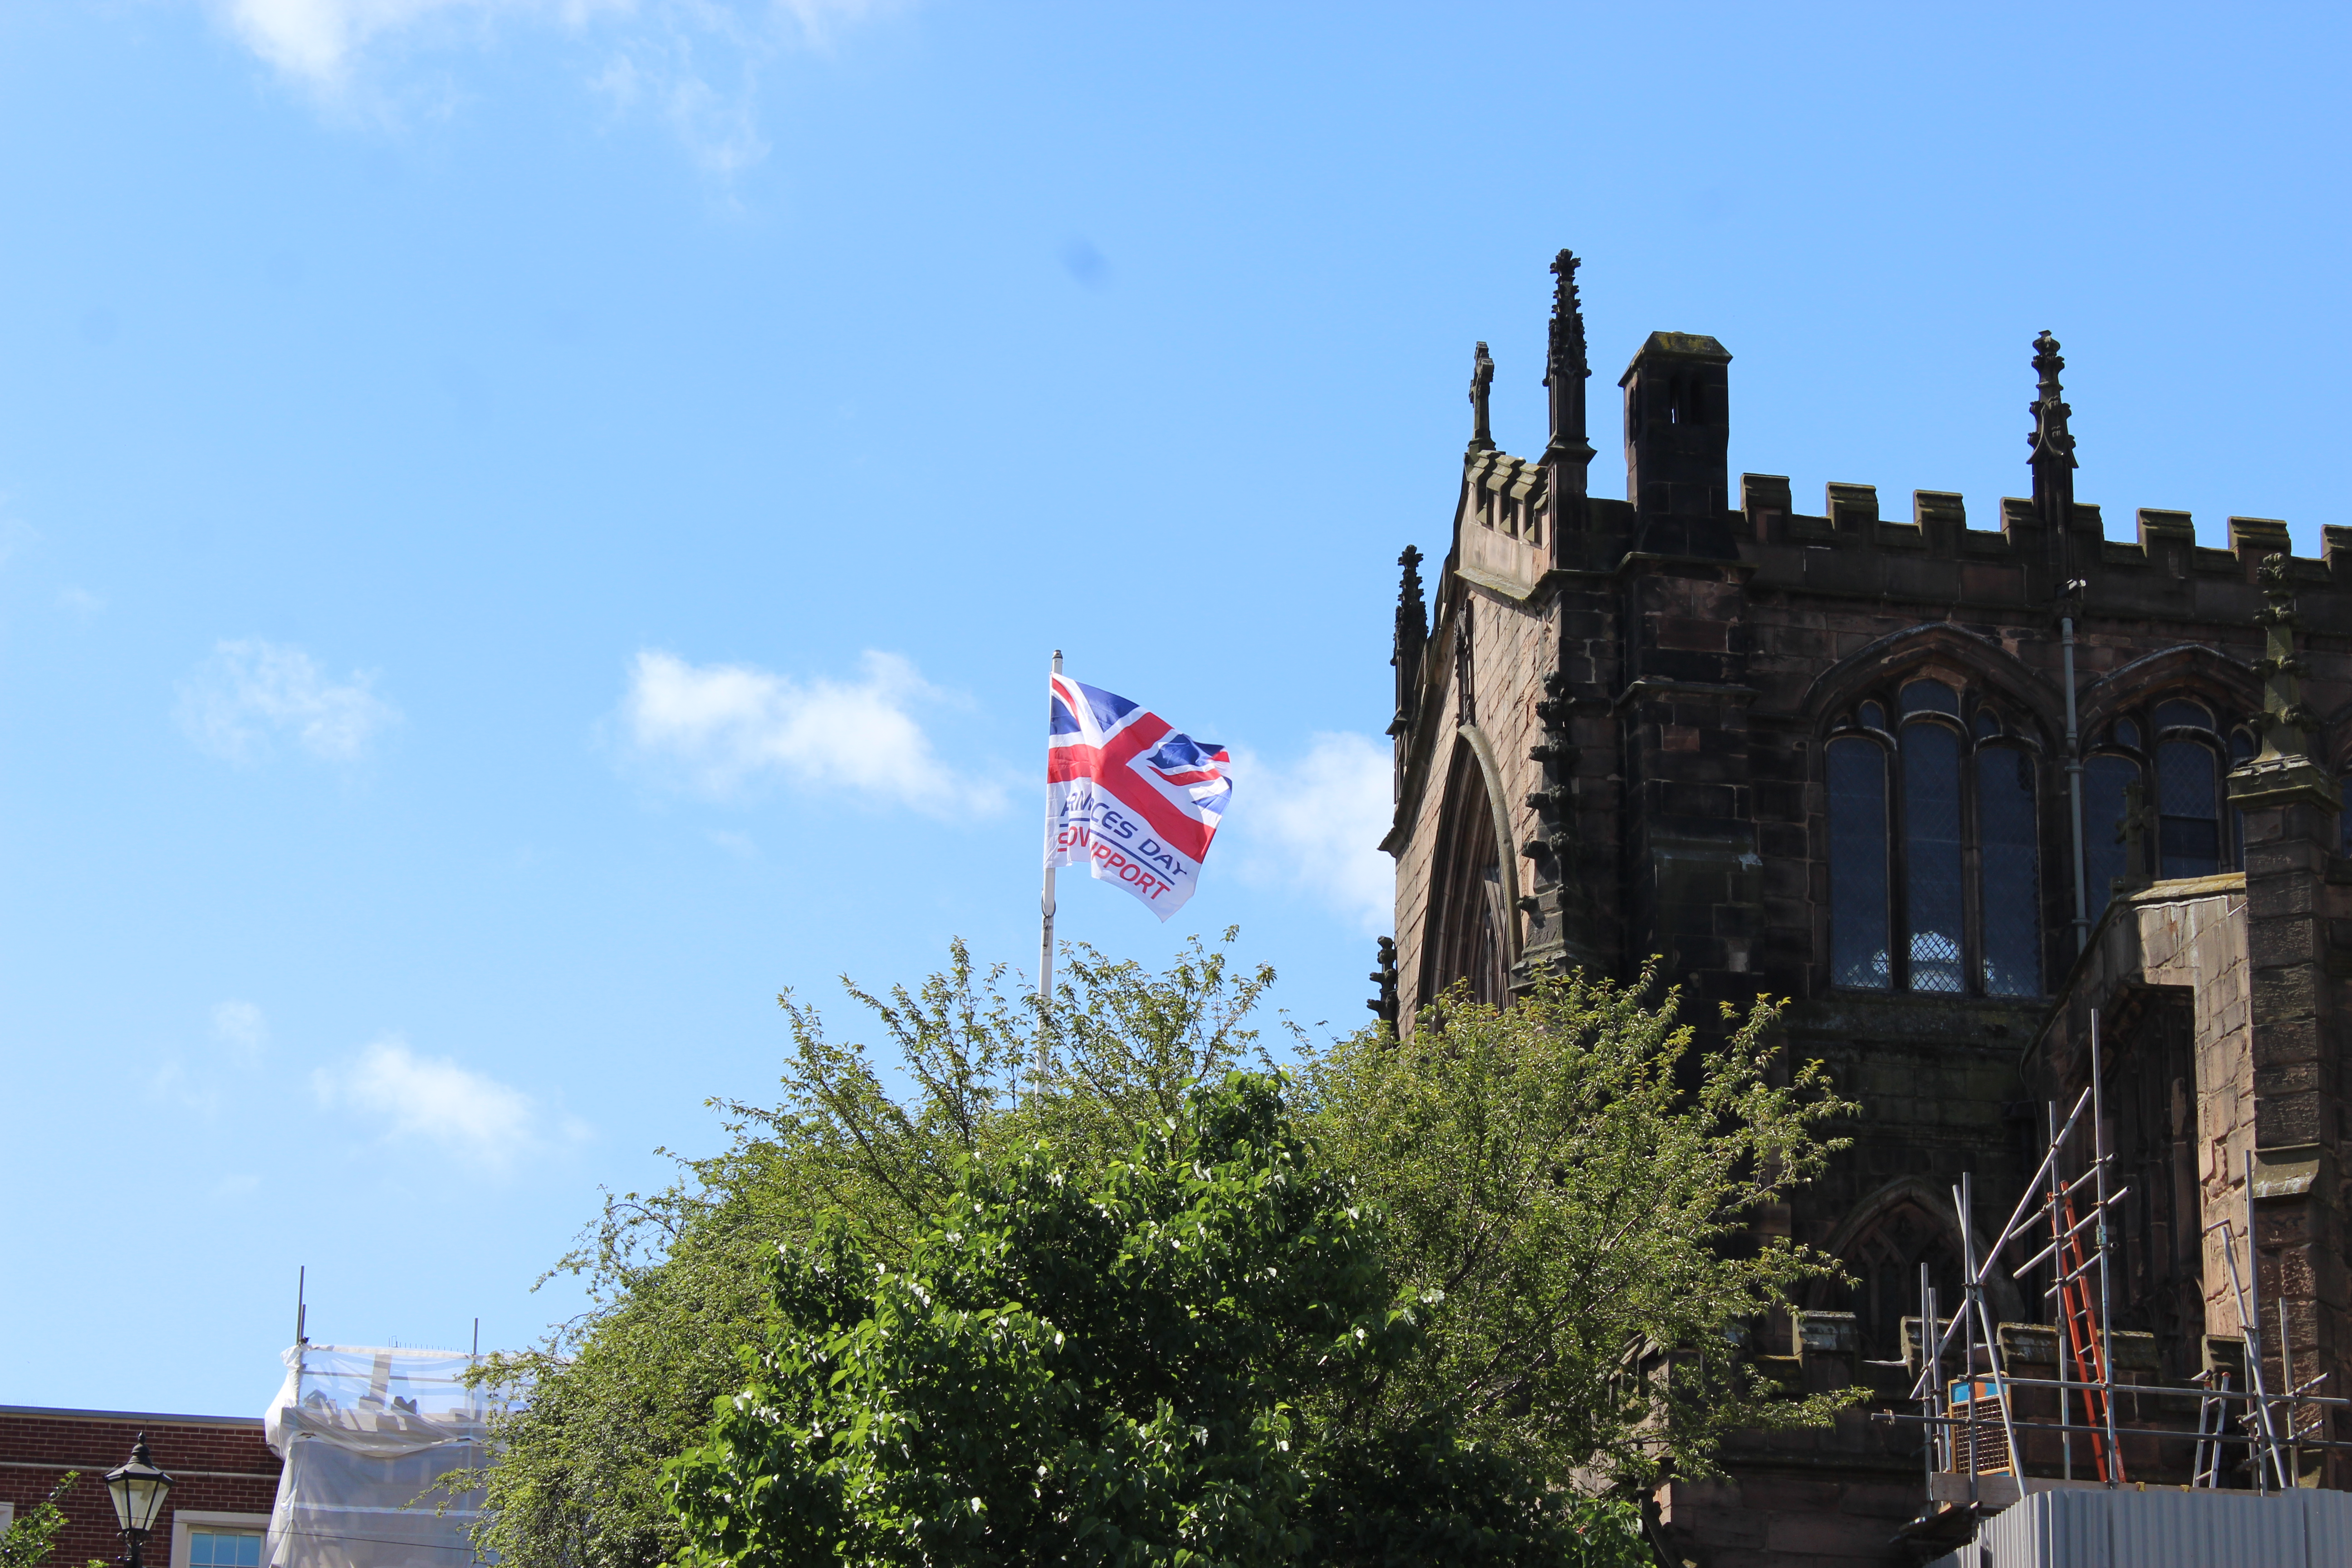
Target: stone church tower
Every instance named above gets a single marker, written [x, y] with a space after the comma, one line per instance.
[1946, 788]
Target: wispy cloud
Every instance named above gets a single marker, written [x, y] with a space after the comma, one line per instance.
[240, 1027]
[1316, 825]
[717, 728]
[433, 1101]
[16, 536]
[196, 1079]
[250, 693]
[694, 64]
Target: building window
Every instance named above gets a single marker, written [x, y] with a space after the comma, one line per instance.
[213, 1547]
[206, 1540]
[1931, 834]
[2174, 751]
[2189, 793]
[1471, 936]
[1858, 952]
[1935, 887]
[2006, 822]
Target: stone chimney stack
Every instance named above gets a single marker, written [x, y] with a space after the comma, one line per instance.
[1677, 435]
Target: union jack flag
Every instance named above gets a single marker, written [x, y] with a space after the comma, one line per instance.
[1134, 800]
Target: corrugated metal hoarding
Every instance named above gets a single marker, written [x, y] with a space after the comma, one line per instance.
[2092, 1527]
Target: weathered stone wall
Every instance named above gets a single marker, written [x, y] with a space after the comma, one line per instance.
[1704, 655]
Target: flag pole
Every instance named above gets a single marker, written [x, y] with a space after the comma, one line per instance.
[1045, 907]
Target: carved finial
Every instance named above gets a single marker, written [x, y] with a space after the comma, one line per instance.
[1481, 380]
[2287, 721]
[1567, 354]
[1411, 635]
[2283, 771]
[1384, 1005]
[2051, 441]
[2052, 456]
[1565, 370]
[1410, 610]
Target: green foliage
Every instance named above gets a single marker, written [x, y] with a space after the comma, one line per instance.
[1577, 1189]
[1114, 1366]
[26, 1542]
[1562, 1191]
[681, 1278]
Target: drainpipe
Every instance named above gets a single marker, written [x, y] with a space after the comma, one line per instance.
[2074, 769]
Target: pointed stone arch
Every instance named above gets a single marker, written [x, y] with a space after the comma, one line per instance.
[1474, 893]
[2192, 670]
[1936, 646]
[1882, 1241]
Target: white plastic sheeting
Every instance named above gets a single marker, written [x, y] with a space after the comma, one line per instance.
[365, 1433]
[2094, 1527]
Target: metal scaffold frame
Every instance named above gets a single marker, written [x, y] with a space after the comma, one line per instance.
[1961, 1439]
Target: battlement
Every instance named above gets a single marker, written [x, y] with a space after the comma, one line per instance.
[2160, 568]
[1500, 528]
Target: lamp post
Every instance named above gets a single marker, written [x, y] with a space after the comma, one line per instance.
[138, 1488]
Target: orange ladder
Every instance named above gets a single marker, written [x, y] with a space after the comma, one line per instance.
[2083, 1342]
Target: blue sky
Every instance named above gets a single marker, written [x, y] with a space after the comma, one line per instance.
[527, 527]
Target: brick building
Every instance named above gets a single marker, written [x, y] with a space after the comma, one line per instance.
[225, 1479]
[1947, 788]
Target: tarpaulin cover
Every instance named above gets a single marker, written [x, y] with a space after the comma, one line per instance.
[365, 1433]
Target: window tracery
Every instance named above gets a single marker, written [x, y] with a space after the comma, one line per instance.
[1934, 846]
[2176, 749]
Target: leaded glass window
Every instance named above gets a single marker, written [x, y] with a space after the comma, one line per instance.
[1931, 833]
[1858, 947]
[2177, 714]
[2188, 809]
[2105, 780]
[1930, 696]
[1934, 831]
[2010, 903]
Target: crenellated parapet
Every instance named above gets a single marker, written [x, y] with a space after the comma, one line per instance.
[1851, 549]
[1503, 521]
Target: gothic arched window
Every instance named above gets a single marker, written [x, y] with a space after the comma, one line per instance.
[2175, 750]
[1858, 951]
[1882, 1262]
[2006, 824]
[1470, 916]
[1934, 835]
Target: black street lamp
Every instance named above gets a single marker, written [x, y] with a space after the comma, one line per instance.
[138, 1488]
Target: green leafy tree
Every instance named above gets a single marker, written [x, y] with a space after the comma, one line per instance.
[28, 1541]
[1129, 1364]
[1575, 1183]
[681, 1278]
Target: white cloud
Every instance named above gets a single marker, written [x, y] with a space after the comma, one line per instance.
[319, 40]
[1316, 825]
[16, 536]
[695, 64]
[240, 1027]
[434, 1102]
[721, 726]
[250, 690]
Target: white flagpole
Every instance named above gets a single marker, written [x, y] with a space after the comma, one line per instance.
[1045, 906]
